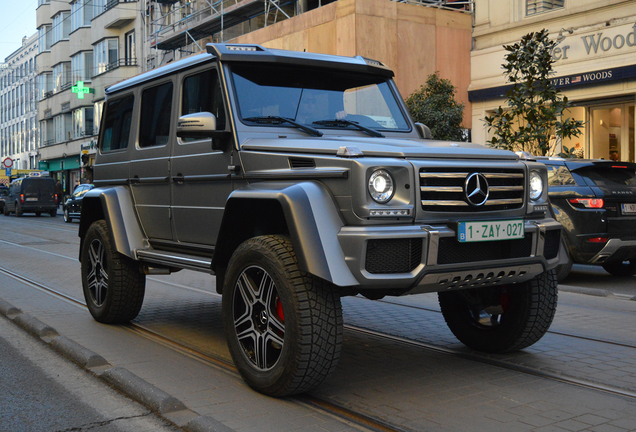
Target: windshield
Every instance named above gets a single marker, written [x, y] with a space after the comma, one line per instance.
[322, 99]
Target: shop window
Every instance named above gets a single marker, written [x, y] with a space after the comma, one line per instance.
[534, 7]
[116, 127]
[156, 108]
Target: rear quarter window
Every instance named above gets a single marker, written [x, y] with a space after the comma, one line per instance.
[559, 176]
[117, 120]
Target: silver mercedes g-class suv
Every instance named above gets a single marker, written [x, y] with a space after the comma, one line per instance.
[296, 179]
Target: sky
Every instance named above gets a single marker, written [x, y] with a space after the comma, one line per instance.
[17, 19]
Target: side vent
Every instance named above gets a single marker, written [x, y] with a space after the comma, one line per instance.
[302, 163]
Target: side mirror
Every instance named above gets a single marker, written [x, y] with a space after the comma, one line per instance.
[200, 125]
[423, 130]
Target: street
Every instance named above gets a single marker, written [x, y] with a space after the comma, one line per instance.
[401, 368]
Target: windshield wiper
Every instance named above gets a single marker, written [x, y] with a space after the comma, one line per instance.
[343, 122]
[279, 120]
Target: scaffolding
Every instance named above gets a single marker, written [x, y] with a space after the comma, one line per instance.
[175, 25]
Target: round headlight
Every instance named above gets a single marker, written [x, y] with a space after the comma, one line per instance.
[381, 186]
[536, 185]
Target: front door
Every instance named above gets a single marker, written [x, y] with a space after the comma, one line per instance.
[200, 176]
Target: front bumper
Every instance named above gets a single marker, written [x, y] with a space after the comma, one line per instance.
[439, 262]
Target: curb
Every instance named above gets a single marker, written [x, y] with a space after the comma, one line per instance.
[587, 291]
[136, 388]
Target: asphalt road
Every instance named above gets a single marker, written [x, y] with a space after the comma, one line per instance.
[42, 392]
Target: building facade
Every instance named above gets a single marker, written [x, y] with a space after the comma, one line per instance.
[595, 65]
[19, 138]
[84, 47]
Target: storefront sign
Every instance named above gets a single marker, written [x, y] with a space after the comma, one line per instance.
[568, 81]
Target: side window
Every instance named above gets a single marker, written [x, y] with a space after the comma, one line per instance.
[202, 93]
[156, 110]
[116, 125]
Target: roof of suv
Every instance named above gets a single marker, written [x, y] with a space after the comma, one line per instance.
[257, 53]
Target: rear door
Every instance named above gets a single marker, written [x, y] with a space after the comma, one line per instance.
[200, 177]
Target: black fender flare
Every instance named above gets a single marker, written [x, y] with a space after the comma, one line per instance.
[312, 220]
[115, 205]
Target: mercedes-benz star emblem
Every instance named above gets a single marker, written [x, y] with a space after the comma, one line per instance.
[476, 189]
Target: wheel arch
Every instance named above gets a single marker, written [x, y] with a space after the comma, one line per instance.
[303, 211]
[115, 206]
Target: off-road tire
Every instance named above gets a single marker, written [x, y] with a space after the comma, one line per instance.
[53, 213]
[18, 210]
[528, 310]
[113, 284]
[621, 268]
[5, 210]
[311, 319]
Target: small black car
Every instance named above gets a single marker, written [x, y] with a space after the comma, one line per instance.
[31, 195]
[73, 204]
[595, 200]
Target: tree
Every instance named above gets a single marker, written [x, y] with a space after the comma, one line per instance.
[434, 105]
[535, 106]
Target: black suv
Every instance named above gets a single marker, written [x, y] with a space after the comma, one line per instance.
[31, 195]
[72, 206]
[296, 179]
[595, 200]
[4, 191]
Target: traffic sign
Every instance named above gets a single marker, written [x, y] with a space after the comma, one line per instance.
[7, 162]
[7, 172]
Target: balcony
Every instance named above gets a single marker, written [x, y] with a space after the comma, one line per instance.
[117, 64]
[115, 17]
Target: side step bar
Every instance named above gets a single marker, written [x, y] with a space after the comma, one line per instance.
[174, 259]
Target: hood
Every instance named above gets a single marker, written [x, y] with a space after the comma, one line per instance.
[379, 147]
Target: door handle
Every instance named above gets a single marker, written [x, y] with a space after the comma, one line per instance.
[179, 178]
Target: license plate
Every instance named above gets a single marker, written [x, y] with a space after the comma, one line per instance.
[490, 230]
[628, 208]
[31, 199]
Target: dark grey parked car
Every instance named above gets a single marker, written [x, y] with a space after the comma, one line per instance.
[299, 178]
[4, 191]
[31, 195]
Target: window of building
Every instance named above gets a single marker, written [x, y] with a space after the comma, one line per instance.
[45, 38]
[106, 55]
[99, 6]
[62, 125]
[47, 136]
[534, 7]
[116, 127]
[82, 67]
[61, 26]
[43, 2]
[82, 12]
[45, 85]
[82, 122]
[98, 107]
[130, 49]
[156, 108]
[62, 76]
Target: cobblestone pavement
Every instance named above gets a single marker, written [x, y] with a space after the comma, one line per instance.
[405, 385]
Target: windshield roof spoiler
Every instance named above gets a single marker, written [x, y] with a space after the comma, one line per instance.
[258, 53]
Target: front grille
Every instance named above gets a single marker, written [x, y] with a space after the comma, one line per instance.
[551, 244]
[393, 255]
[443, 189]
[452, 251]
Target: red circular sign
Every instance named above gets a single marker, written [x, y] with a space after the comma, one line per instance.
[7, 162]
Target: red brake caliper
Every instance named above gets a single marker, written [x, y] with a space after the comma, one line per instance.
[279, 310]
[505, 301]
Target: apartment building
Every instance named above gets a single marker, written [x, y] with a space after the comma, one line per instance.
[84, 47]
[595, 65]
[19, 139]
